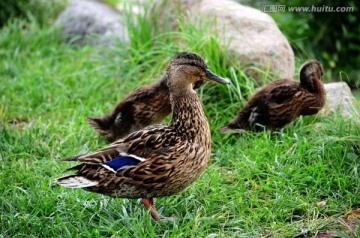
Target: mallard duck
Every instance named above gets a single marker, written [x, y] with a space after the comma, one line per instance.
[145, 106]
[159, 160]
[280, 102]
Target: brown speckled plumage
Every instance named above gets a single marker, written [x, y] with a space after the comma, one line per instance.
[169, 157]
[145, 106]
[280, 102]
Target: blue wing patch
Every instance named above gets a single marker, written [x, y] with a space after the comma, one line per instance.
[122, 161]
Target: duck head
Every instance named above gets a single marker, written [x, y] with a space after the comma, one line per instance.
[309, 72]
[187, 70]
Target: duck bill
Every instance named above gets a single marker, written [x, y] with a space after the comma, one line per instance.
[213, 77]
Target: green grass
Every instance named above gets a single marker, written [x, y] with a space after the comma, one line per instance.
[256, 184]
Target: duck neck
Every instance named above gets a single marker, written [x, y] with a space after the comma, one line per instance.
[319, 87]
[312, 84]
[188, 118]
[320, 93]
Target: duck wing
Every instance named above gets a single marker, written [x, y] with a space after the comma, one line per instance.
[283, 93]
[91, 174]
[122, 156]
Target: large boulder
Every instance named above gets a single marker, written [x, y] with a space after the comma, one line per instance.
[339, 98]
[92, 22]
[251, 34]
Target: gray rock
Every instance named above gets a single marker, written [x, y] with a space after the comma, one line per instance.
[251, 34]
[92, 22]
[339, 97]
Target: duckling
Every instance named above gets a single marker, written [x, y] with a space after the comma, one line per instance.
[145, 106]
[281, 101]
[158, 160]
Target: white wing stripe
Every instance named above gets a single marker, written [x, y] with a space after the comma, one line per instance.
[108, 168]
[132, 156]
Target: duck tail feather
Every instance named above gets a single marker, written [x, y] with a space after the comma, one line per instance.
[75, 181]
[100, 124]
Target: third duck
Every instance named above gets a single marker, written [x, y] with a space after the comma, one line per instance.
[280, 102]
